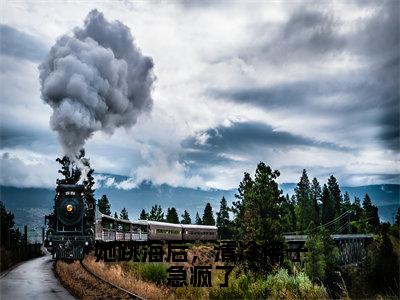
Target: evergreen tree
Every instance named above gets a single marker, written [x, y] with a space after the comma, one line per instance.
[69, 169]
[223, 222]
[316, 195]
[143, 215]
[156, 214]
[198, 220]
[245, 193]
[104, 205]
[328, 205]
[397, 220]
[347, 207]
[333, 280]
[88, 184]
[303, 195]
[172, 216]
[208, 216]
[289, 215]
[346, 200]
[124, 214]
[186, 218]
[65, 169]
[371, 213]
[358, 223]
[115, 215]
[7, 223]
[356, 207]
[336, 195]
[314, 261]
[258, 213]
[382, 266]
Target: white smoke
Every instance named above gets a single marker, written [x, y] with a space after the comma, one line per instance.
[95, 80]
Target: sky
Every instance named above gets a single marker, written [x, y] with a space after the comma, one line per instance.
[295, 84]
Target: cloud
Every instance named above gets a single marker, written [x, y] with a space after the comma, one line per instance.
[27, 169]
[242, 136]
[20, 44]
[312, 87]
[347, 68]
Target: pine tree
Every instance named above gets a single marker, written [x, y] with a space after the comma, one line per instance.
[172, 216]
[7, 223]
[124, 214]
[358, 224]
[336, 195]
[65, 169]
[143, 215]
[346, 202]
[328, 205]
[88, 184]
[259, 209]
[156, 214]
[198, 220]
[371, 213]
[186, 218]
[303, 195]
[239, 207]
[104, 205]
[316, 195]
[223, 223]
[115, 215]
[314, 262]
[208, 217]
[397, 220]
[258, 213]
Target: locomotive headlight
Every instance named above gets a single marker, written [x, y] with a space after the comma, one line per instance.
[70, 208]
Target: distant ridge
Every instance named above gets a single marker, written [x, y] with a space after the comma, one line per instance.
[31, 204]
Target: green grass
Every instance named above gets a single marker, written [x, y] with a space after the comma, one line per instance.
[279, 285]
[154, 272]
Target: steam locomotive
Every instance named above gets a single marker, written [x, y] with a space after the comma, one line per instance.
[70, 228]
[76, 224]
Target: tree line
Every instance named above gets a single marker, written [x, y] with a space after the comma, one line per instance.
[260, 204]
[171, 216]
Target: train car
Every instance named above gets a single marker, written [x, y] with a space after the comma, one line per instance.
[164, 231]
[199, 232]
[112, 229]
[70, 231]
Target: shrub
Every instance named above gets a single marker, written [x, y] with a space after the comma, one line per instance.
[155, 272]
[282, 286]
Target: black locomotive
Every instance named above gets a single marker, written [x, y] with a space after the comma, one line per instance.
[70, 228]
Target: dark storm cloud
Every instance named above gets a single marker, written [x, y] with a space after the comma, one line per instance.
[308, 33]
[294, 94]
[16, 136]
[368, 97]
[243, 136]
[20, 44]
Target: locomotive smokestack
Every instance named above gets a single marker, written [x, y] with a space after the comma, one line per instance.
[95, 80]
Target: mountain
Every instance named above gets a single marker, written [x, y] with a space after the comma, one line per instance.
[29, 205]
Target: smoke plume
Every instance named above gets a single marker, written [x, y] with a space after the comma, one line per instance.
[95, 80]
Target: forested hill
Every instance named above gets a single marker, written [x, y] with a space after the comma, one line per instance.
[32, 203]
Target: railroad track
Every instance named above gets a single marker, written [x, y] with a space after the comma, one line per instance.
[131, 295]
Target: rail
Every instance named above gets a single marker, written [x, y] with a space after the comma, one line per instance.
[132, 295]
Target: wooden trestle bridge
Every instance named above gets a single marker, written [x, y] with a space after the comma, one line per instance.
[352, 247]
